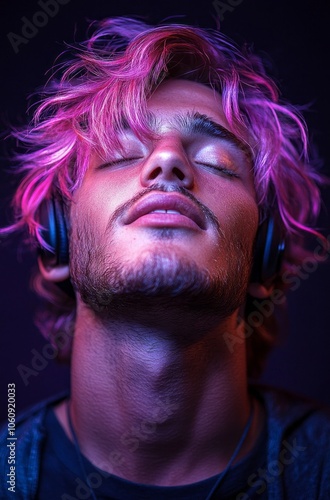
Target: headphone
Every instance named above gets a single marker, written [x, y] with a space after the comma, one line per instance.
[54, 232]
[268, 251]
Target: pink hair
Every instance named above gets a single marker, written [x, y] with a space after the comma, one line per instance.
[107, 84]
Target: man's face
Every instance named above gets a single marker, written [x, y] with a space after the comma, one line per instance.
[171, 215]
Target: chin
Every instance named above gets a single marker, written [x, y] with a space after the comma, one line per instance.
[159, 278]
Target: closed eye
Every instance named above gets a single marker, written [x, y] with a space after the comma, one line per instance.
[219, 169]
[119, 161]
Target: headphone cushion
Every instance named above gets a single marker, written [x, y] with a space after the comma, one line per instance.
[54, 233]
[268, 251]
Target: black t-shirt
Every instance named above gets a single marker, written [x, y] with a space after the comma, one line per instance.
[61, 477]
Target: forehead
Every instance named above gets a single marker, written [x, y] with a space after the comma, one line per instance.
[186, 95]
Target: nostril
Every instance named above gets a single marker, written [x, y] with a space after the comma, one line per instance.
[178, 173]
[155, 173]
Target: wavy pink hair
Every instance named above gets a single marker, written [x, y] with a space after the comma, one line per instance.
[108, 83]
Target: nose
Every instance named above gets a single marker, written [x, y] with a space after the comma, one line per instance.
[168, 164]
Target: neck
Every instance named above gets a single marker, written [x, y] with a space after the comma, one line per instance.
[137, 390]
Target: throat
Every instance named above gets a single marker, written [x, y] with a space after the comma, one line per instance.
[138, 394]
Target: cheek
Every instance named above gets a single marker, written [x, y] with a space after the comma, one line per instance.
[245, 224]
[95, 203]
[238, 215]
[108, 190]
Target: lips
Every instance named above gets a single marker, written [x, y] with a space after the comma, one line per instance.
[166, 204]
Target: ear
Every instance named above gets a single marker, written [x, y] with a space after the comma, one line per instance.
[260, 291]
[56, 273]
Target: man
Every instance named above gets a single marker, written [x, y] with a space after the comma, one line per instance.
[171, 173]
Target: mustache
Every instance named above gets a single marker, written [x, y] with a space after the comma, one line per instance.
[164, 188]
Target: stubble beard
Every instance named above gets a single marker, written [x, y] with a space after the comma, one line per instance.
[159, 280]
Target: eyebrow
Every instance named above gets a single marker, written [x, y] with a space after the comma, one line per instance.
[197, 123]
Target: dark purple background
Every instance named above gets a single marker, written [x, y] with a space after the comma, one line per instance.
[295, 37]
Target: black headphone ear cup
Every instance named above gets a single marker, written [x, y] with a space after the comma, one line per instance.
[62, 243]
[268, 251]
[54, 233]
